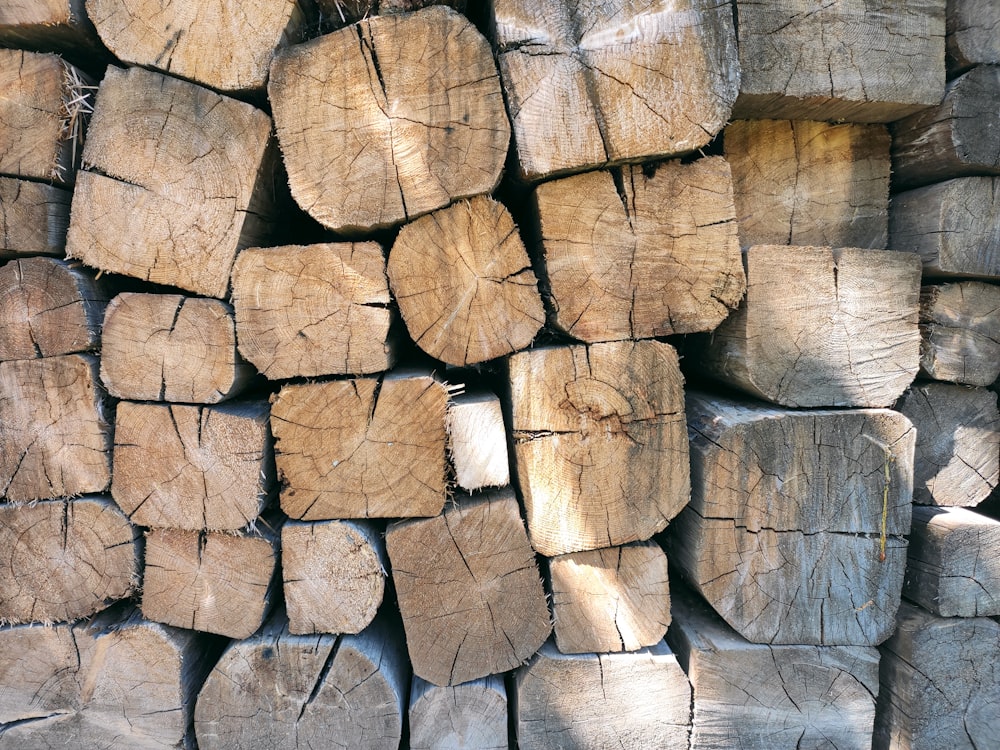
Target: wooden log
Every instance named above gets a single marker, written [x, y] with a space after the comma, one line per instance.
[760, 697]
[612, 599]
[954, 138]
[958, 332]
[34, 218]
[65, 559]
[209, 580]
[294, 692]
[335, 14]
[600, 453]
[364, 448]
[48, 307]
[469, 589]
[873, 62]
[333, 574]
[117, 680]
[55, 440]
[940, 683]
[589, 84]
[951, 226]
[470, 715]
[53, 25]
[171, 347]
[951, 569]
[178, 178]
[192, 467]
[408, 107]
[843, 334]
[957, 457]
[44, 104]
[972, 38]
[798, 182]
[795, 530]
[477, 441]
[637, 254]
[591, 701]
[464, 284]
[313, 310]
[221, 44]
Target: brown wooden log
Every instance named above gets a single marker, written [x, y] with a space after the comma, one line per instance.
[953, 139]
[65, 559]
[313, 310]
[53, 25]
[364, 448]
[637, 254]
[171, 347]
[224, 44]
[209, 581]
[589, 84]
[972, 38]
[48, 307]
[612, 599]
[798, 182]
[334, 575]
[177, 180]
[477, 441]
[795, 530]
[34, 218]
[875, 62]
[115, 681]
[592, 701]
[295, 692]
[464, 284]
[469, 589]
[821, 327]
[55, 440]
[957, 458]
[951, 569]
[192, 467]
[959, 325]
[408, 110]
[951, 226]
[940, 683]
[470, 715]
[759, 697]
[600, 453]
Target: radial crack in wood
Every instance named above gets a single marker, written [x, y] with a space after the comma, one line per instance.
[470, 715]
[960, 332]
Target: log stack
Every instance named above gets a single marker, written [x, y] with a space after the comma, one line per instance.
[424, 374]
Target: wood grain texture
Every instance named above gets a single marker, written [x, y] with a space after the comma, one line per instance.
[639, 253]
[960, 332]
[593, 83]
[600, 453]
[405, 109]
[34, 218]
[52, 25]
[477, 441]
[972, 34]
[470, 715]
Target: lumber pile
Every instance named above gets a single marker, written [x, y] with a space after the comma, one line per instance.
[563, 374]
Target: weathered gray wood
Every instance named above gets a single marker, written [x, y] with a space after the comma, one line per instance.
[333, 575]
[34, 218]
[951, 225]
[940, 684]
[469, 589]
[957, 455]
[952, 566]
[762, 697]
[470, 715]
[872, 61]
[600, 453]
[795, 529]
[65, 559]
[972, 34]
[960, 332]
[598, 701]
[821, 327]
[612, 599]
[114, 681]
[799, 182]
[281, 691]
[953, 139]
[477, 441]
[589, 84]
